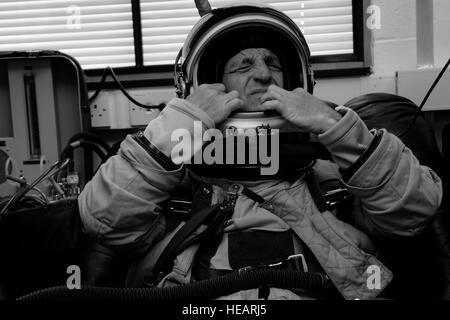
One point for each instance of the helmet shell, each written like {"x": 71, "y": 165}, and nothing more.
{"x": 223, "y": 32}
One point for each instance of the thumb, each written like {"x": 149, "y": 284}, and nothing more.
{"x": 270, "y": 105}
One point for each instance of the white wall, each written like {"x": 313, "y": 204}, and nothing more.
{"x": 441, "y": 32}
{"x": 394, "y": 44}
{"x": 393, "y": 49}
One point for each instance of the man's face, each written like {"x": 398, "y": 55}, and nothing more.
{"x": 250, "y": 72}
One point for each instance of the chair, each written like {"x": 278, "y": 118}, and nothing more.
{"x": 421, "y": 265}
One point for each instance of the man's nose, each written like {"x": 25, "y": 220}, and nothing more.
{"x": 262, "y": 72}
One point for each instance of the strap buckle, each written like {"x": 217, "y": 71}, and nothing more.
{"x": 336, "y": 196}
{"x": 235, "y": 189}
{"x": 296, "y": 262}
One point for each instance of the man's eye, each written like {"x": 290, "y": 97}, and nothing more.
{"x": 243, "y": 68}
{"x": 275, "y": 66}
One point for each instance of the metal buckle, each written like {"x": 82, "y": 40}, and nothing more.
{"x": 235, "y": 189}
{"x": 293, "y": 262}
{"x": 336, "y": 196}
{"x": 179, "y": 206}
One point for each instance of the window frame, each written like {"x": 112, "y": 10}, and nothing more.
{"x": 340, "y": 65}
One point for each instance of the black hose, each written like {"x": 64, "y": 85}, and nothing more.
{"x": 68, "y": 150}
{"x": 112, "y": 152}
{"x": 93, "y": 147}
{"x": 204, "y": 289}
{"x": 114, "y": 149}
{"x": 91, "y": 137}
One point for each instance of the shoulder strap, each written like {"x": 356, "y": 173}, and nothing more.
{"x": 316, "y": 192}
{"x": 176, "y": 243}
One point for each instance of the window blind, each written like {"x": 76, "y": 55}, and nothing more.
{"x": 326, "y": 24}
{"x": 100, "y": 32}
{"x": 96, "y": 32}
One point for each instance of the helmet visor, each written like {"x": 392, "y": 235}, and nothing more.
{"x": 224, "y": 46}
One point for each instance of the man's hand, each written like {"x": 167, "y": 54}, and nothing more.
{"x": 300, "y": 108}
{"x": 213, "y": 99}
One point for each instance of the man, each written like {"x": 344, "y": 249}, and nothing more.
{"x": 271, "y": 217}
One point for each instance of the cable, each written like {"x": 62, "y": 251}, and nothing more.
{"x": 43, "y": 196}
{"x": 114, "y": 149}
{"x": 54, "y": 169}
{"x": 27, "y": 202}
{"x": 91, "y": 137}
{"x": 109, "y": 70}
{"x": 426, "y": 98}
{"x": 57, "y": 187}
{"x": 19, "y": 194}
{"x": 91, "y": 146}
{"x": 100, "y": 85}
{"x": 4, "y": 201}
{"x": 92, "y": 143}
{"x": 24, "y": 184}
{"x": 68, "y": 150}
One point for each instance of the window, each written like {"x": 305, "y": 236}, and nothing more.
{"x": 97, "y": 33}
{"x": 139, "y": 36}
{"x": 326, "y": 24}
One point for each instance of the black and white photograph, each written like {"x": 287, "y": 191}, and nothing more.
{"x": 210, "y": 157}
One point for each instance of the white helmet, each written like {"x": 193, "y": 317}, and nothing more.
{"x": 223, "y": 32}
{"x": 218, "y": 36}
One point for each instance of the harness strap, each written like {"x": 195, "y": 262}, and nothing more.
{"x": 252, "y": 195}
{"x": 316, "y": 192}
{"x": 176, "y": 243}
{"x": 219, "y": 213}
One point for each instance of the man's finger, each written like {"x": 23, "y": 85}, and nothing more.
{"x": 218, "y": 86}
{"x": 269, "y": 95}
{"x": 276, "y": 89}
{"x": 234, "y": 104}
{"x": 231, "y": 95}
{"x": 299, "y": 90}
{"x": 271, "y": 105}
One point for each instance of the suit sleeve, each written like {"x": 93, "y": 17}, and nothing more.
{"x": 395, "y": 194}
{"x": 120, "y": 206}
